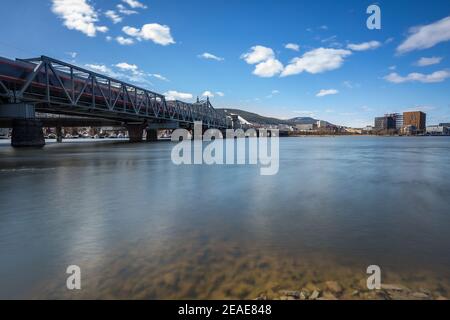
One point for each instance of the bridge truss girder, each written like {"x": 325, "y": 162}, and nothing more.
{"x": 59, "y": 87}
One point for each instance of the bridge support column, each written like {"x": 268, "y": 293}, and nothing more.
{"x": 135, "y": 132}
{"x": 224, "y": 133}
{"x": 152, "y": 135}
{"x": 27, "y": 133}
{"x": 59, "y": 135}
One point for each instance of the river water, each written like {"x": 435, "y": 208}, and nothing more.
{"x": 141, "y": 227}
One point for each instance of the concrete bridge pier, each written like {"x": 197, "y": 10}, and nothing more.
{"x": 135, "y": 132}
{"x": 59, "y": 135}
{"x": 152, "y": 135}
{"x": 27, "y": 131}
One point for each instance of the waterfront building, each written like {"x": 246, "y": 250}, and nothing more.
{"x": 409, "y": 130}
{"x": 306, "y": 127}
{"x": 438, "y": 130}
{"x": 285, "y": 127}
{"x": 321, "y": 124}
{"x": 385, "y": 123}
{"x": 397, "y": 118}
{"x": 416, "y": 119}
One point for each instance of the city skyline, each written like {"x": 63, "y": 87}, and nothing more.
{"x": 290, "y": 59}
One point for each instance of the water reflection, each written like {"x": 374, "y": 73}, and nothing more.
{"x": 140, "y": 227}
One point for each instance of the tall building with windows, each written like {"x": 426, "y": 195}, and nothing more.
{"x": 398, "y": 119}
{"x": 385, "y": 123}
{"x": 417, "y": 119}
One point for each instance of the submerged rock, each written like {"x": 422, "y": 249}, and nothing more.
{"x": 333, "y": 286}
{"x": 290, "y": 293}
{"x": 328, "y": 296}
{"x": 394, "y": 287}
{"x": 304, "y": 294}
{"x": 420, "y": 295}
{"x": 287, "y": 298}
{"x": 314, "y": 295}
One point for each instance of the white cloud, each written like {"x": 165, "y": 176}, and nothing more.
{"x": 258, "y": 54}
{"x": 131, "y": 31}
{"x": 127, "y": 67}
{"x": 125, "y": 11}
{"x": 220, "y": 94}
{"x": 123, "y": 71}
{"x": 292, "y": 46}
{"x": 124, "y": 41}
{"x": 78, "y": 15}
{"x": 175, "y": 95}
{"x": 423, "y": 62}
{"x": 158, "y": 76}
{"x": 324, "y": 27}
{"x": 208, "y": 94}
{"x": 434, "y": 77}
{"x": 102, "y": 29}
{"x": 115, "y": 18}
{"x": 316, "y": 61}
{"x": 364, "y": 46}
{"x": 392, "y": 67}
{"x": 132, "y": 73}
{"x": 264, "y": 58}
{"x": 427, "y": 36}
{"x": 210, "y": 56}
{"x": 72, "y": 54}
{"x": 101, "y": 68}
{"x": 155, "y": 32}
{"x": 326, "y": 92}
{"x": 135, "y": 4}
{"x": 273, "y": 93}
{"x": 329, "y": 39}
{"x": 268, "y": 68}
{"x": 349, "y": 84}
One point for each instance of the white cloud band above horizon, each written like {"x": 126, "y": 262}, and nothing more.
{"x": 435, "y": 77}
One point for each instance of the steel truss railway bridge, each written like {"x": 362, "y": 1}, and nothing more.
{"x": 47, "y": 85}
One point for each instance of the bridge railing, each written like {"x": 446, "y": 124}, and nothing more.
{"x": 57, "y": 86}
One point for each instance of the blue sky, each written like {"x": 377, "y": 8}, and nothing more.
{"x": 237, "y": 51}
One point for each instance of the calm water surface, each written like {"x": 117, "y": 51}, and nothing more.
{"x": 141, "y": 227}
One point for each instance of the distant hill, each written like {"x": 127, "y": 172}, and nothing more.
{"x": 258, "y": 119}
{"x": 303, "y": 120}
